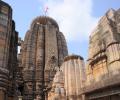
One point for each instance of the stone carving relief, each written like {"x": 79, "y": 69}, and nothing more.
{"x": 29, "y": 85}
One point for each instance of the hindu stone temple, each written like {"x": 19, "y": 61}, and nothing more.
{"x": 43, "y": 70}
{"x": 8, "y": 53}
{"x": 43, "y": 50}
{"x": 103, "y": 65}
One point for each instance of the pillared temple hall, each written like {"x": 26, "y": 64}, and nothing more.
{"x": 43, "y": 70}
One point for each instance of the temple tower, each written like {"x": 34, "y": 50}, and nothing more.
{"x": 105, "y": 40}
{"x": 43, "y": 51}
{"x": 103, "y": 67}
{"x": 8, "y": 53}
{"x": 74, "y": 76}
{"x": 69, "y": 79}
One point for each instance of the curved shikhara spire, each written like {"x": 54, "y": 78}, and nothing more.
{"x": 43, "y": 51}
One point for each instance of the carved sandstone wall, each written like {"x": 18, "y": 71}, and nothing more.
{"x": 8, "y": 53}
{"x": 103, "y": 67}
{"x": 57, "y": 91}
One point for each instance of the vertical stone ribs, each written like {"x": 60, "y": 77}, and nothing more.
{"x": 51, "y": 52}
{"x": 43, "y": 51}
{"x": 62, "y": 47}
{"x": 12, "y": 61}
{"x": 68, "y": 80}
{"x": 39, "y": 73}
{"x": 5, "y": 34}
